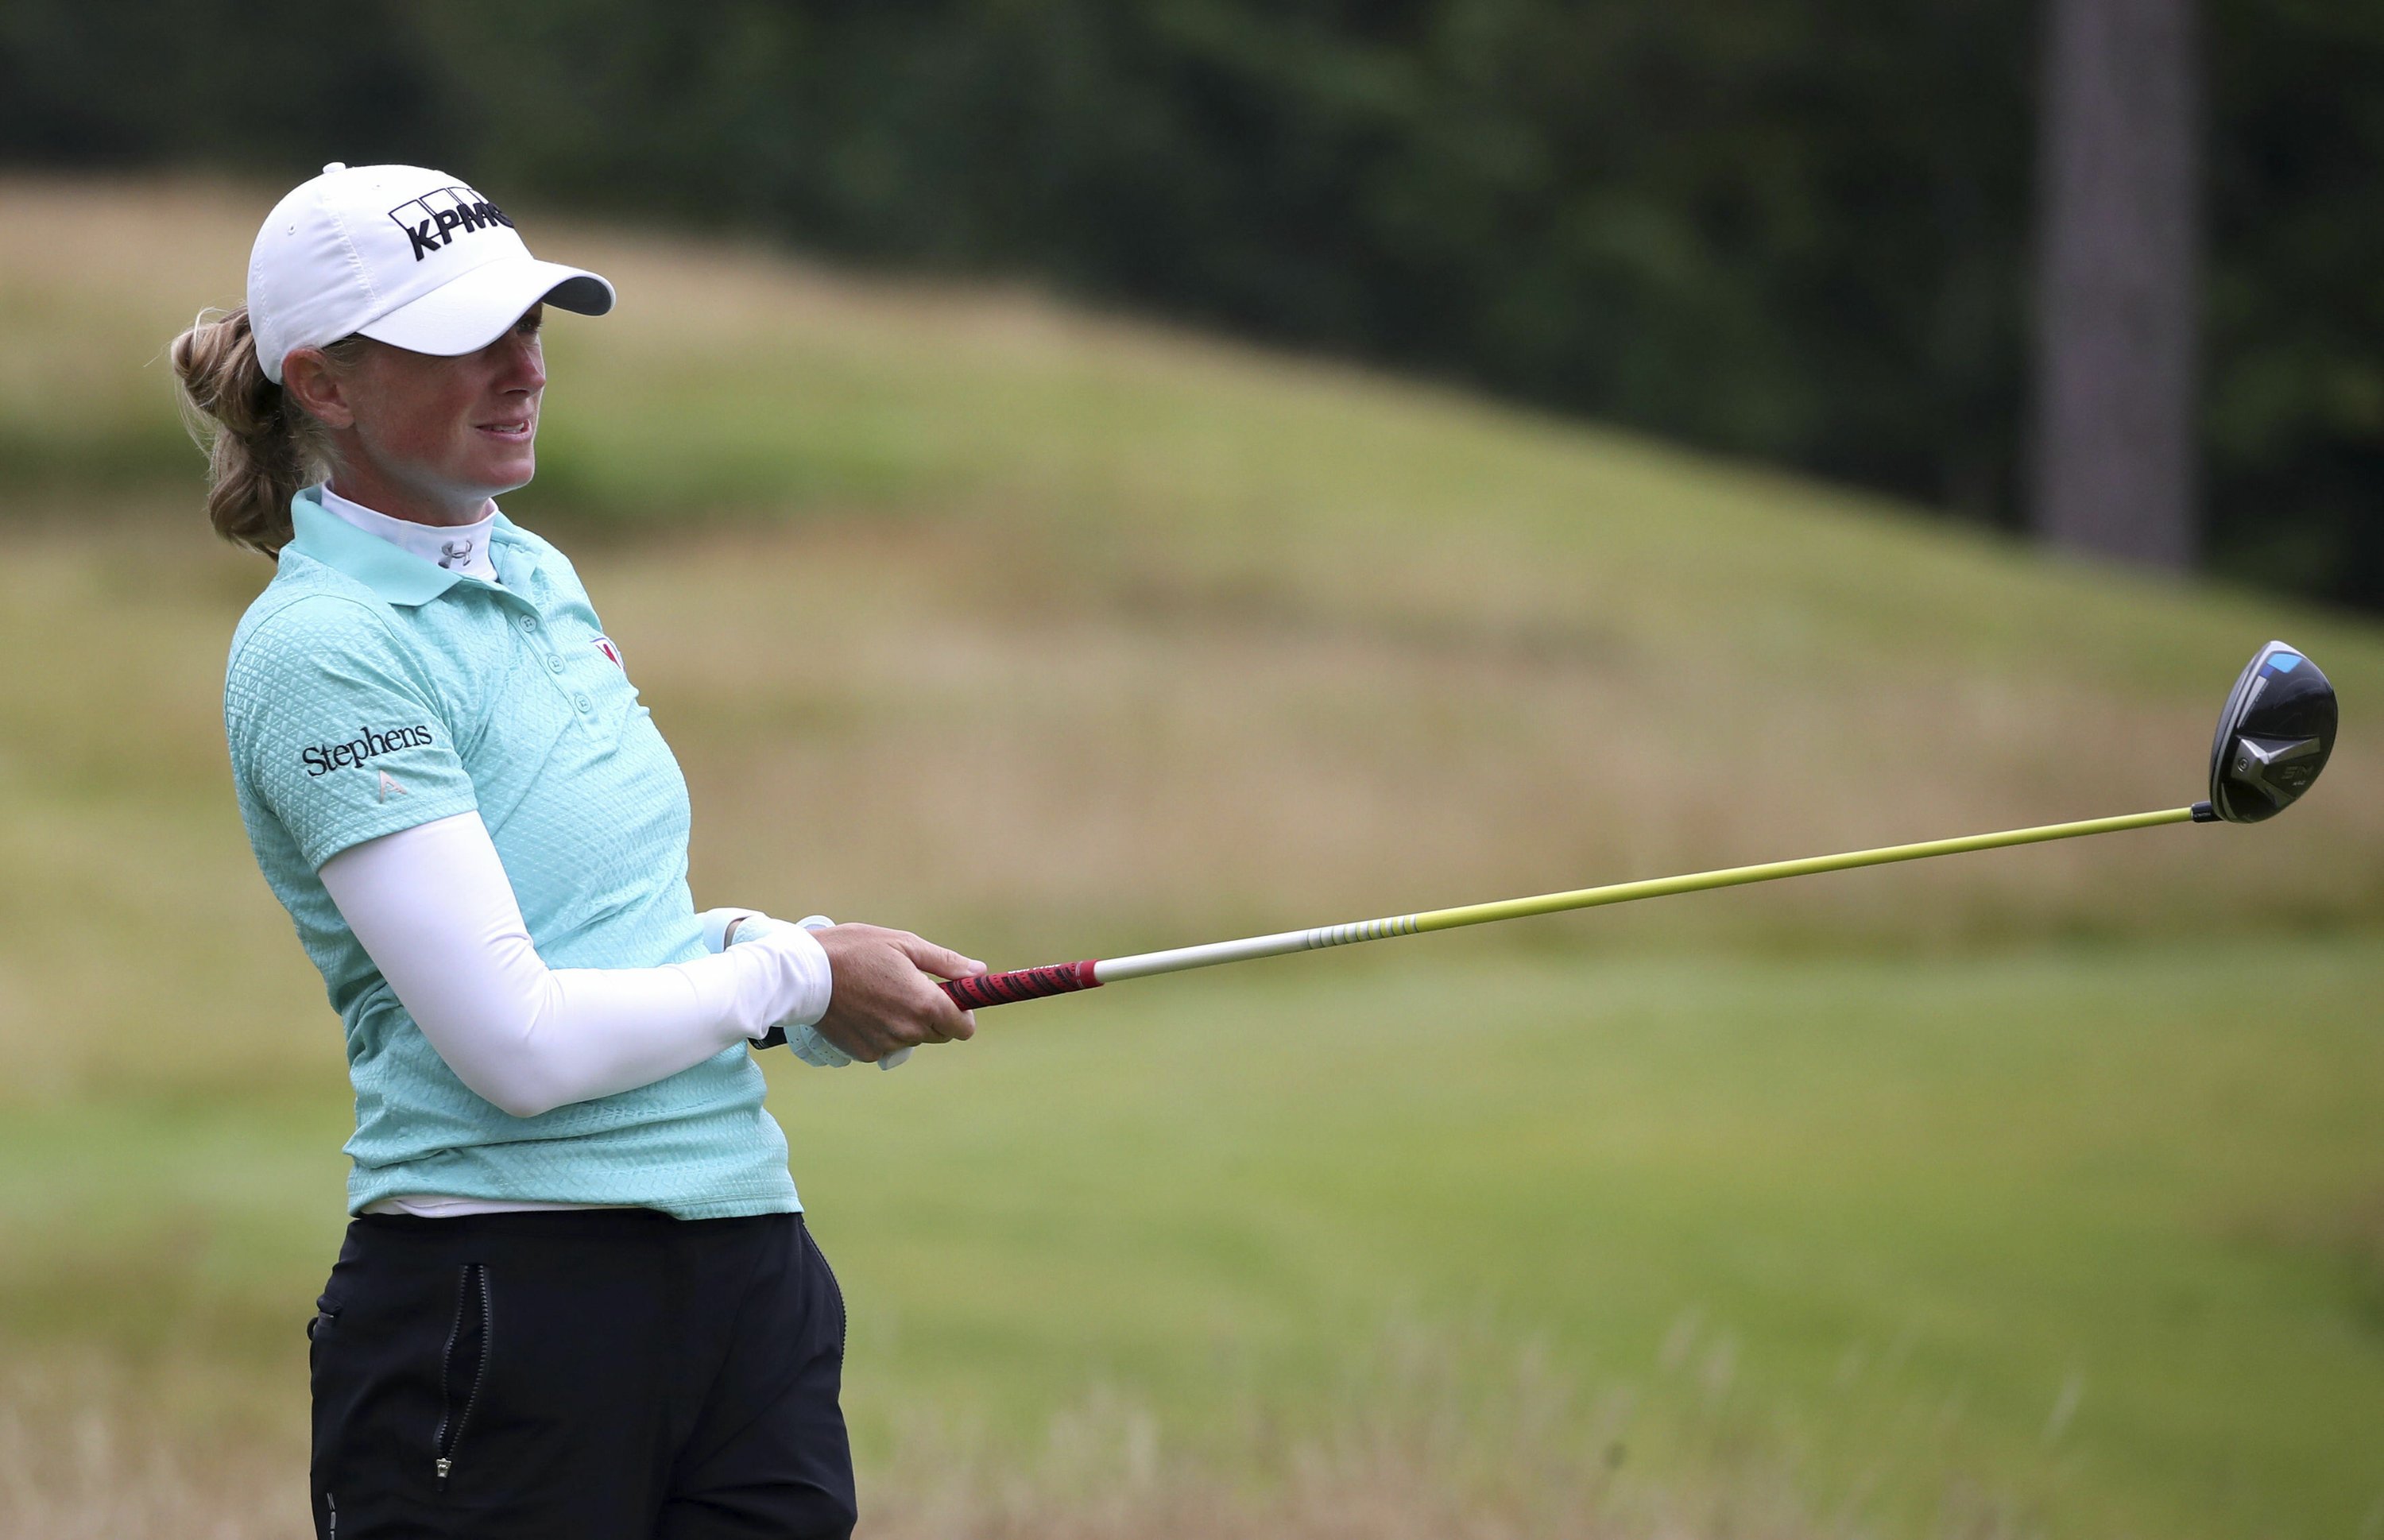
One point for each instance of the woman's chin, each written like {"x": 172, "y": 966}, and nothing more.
{"x": 507, "y": 472}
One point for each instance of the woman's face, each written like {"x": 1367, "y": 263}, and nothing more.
{"x": 426, "y": 437}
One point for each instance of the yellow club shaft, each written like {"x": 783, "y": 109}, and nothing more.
{"x": 1734, "y": 877}
{"x": 995, "y": 988}
{"x": 987, "y": 989}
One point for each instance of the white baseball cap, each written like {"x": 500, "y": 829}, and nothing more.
{"x": 407, "y": 257}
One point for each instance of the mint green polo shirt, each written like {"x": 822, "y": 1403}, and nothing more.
{"x": 370, "y": 690}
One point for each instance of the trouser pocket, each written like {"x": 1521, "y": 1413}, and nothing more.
{"x": 462, "y": 1368}
{"x": 843, "y": 1321}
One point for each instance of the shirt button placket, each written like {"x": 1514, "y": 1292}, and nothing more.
{"x": 529, "y": 624}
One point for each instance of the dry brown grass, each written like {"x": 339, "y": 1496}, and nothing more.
{"x": 82, "y": 1457}
{"x": 1459, "y": 1431}
{"x": 1118, "y": 754}
{"x": 90, "y": 1451}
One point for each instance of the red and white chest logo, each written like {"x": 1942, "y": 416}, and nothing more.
{"x": 604, "y": 645}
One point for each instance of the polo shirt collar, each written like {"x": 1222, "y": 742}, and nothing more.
{"x": 398, "y": 576}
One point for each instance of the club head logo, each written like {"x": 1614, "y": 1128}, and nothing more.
{"x": 432, "y": 221}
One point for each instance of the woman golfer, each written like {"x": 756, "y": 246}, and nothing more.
{"x": 576, "y": 1297}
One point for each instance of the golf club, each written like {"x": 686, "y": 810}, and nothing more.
{"x": 2273, "y": 740}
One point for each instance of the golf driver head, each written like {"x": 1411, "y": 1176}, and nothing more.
{"x": 2274, "y": 736}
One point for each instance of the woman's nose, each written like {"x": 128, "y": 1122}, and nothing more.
{"x": 525, "y": 366}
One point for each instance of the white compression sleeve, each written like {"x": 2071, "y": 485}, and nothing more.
{"x": 433, "y": 908}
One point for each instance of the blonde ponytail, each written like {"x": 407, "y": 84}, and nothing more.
{"x": 262, "y": 447}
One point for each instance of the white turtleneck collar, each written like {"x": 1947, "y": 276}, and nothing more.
{"x": 457, "y": 547}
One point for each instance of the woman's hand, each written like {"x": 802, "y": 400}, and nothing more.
{"x": 883, "y": 995}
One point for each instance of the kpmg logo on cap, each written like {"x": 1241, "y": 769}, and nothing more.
{"x": 432, "y": 221}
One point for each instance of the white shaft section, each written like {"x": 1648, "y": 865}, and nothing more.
{"x": 1143, "y": 965}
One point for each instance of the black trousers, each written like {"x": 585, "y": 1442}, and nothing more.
{"x": 595, "y": 1374}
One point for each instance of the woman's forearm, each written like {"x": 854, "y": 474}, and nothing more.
{"x": 432, "y": 907}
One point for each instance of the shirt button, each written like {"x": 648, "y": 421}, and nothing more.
{"x": 585, "y": 705}
{"x": 555, "y": 665}
{"x": 530, "y": 622}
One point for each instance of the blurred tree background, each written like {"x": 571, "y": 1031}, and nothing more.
{"x": 1803, "y": 234}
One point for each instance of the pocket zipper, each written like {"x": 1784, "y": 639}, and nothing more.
{"x": 471, "y": 1289}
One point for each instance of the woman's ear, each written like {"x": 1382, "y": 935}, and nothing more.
{"x": 320, "y": 386}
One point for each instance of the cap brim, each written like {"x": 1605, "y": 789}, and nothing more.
{"x": 476, "y": 308}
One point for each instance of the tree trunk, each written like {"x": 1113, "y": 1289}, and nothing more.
{"x": 2115, "y": 300}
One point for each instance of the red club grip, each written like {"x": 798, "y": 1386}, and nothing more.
{"x": 1058, "y": 978}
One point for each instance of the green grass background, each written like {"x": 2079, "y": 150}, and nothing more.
{"x": 2033, "y": 1192}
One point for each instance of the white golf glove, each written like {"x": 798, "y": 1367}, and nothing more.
{"x": 802, "y": 1040}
